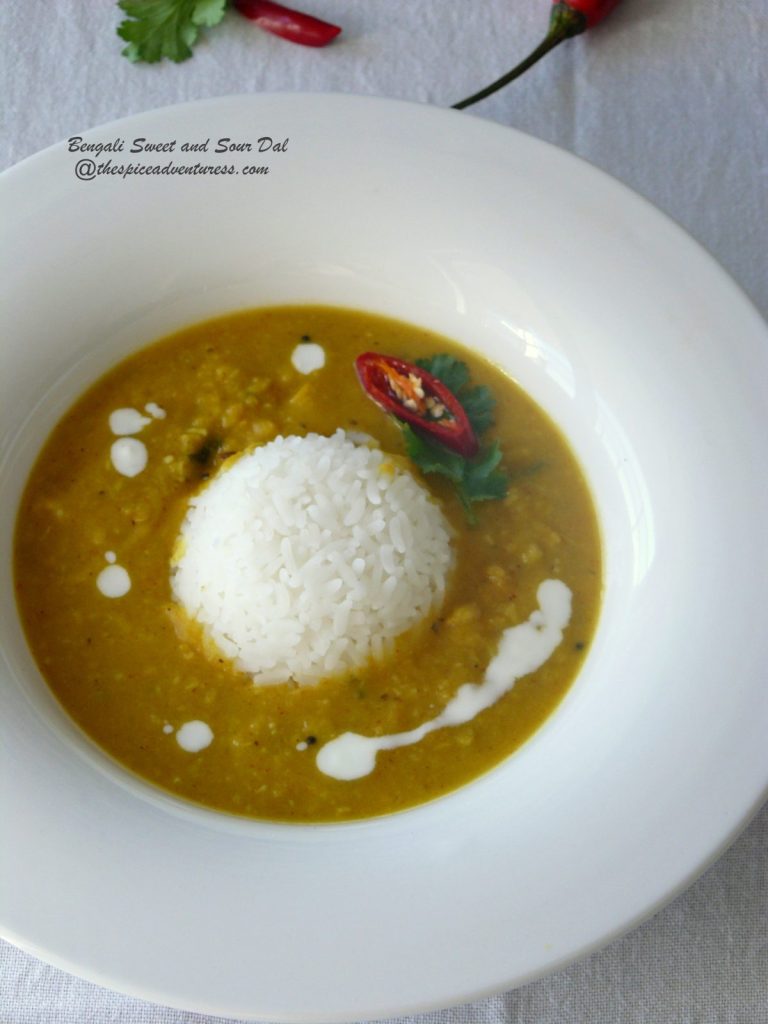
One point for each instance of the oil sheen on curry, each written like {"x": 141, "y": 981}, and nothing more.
{"x": 307, "y": 564}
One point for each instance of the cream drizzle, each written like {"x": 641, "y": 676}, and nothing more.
{"x": 522, "y": 650}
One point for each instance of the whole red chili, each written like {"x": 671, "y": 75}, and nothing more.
{"x": 416, "y": 397}
{"x": 568, "y": 18}
{"x": 287, "y": 23}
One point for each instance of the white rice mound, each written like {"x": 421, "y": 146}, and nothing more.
{"x": 307, "y": 556}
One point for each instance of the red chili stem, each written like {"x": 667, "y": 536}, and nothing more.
{"x": 565, "y": 22}
{"x": 282, "y": 21}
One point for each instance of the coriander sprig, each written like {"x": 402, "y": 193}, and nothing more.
{"x": 477, "y": 479}
{"x": 480, "y": 478}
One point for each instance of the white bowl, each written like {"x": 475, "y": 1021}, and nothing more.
{"x": 655, "y": 367}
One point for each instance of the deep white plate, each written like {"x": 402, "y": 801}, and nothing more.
{"x": 654, "y": 365}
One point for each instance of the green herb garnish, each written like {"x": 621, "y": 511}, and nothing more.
{"x": 480, "y": 478}
{"x": 156, "y": 29}
{"x": 478, "y": 402}
{"x": 477, "y": 479}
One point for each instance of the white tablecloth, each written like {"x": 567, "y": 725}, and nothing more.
{"x": 671, "y": 97}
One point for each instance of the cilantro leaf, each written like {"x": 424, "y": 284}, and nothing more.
{"x": 451, "y": 372}
{"x": 477, "y": 479}
{"x": 482, "y": 479}
{"x": 432, "y": 457}
{"x": 478, "y": 403}
{"x": 156, "y": 29}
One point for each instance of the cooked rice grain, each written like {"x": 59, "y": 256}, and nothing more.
{"x": 306, "y": 556}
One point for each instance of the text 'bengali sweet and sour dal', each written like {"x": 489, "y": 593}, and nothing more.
{"x": 258, "y": 589}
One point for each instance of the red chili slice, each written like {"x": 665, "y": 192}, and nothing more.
{"x": 287, "y": 23}
{"x": 417, "y": 398}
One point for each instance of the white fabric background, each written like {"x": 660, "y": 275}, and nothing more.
{"x": 671, "y": 97}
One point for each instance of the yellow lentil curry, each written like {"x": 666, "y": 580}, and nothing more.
{"x": 130, "y": 677}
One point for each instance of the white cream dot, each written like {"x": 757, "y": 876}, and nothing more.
{"x": 129, "y": 456}
{"x": 110, "y": 556}
{"x": 127, "y": 421}
{"x": 167, "y": 728}
{"x": 194, "y": 736}
{"x": 308, "y": 357}
{"x": 113, "y": 581}
{"x": 155, "y": 411}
